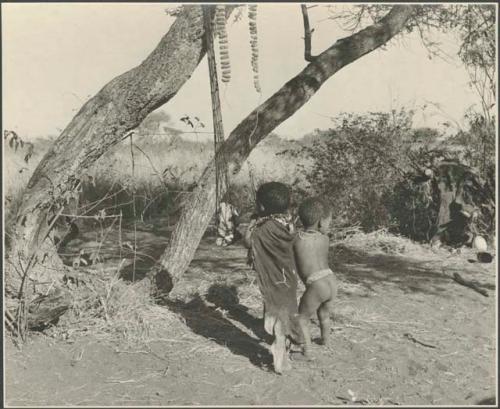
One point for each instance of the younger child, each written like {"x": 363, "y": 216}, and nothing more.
{"x": 311, "y": 256}
{"x": 270, "y": 238}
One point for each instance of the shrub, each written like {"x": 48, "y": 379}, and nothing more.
{"x": 371, "y": 167}
{"x": 356, "y": 164}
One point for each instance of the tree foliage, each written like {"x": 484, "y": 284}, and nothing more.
{"x": 355, "y": 163}
{"x": 15, "y": 142}
{"x": 473, "y": 24}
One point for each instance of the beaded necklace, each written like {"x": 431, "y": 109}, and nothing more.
{"x": 308, "y": 233}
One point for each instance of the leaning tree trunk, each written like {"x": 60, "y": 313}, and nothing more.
{"x": 33, "y": 266}
{"x": 292, "y": 96}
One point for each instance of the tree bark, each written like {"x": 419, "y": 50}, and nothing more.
{"x": 102, "y": 122}
{"x": 280, "y": 106}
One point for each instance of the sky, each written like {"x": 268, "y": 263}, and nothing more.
{"x": 57, "y": 55}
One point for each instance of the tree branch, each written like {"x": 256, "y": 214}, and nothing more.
{"x": 119, "y": 107}
{"x": 307, "y": 34}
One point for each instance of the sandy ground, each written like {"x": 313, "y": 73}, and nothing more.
{"x": 404, "y": 333}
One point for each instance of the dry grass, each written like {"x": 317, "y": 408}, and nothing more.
{"x": 444, "y": 258}
{"x": 107, "y": 307}
{"x": 381, "y": 241}
{"x": 145, "y": 179}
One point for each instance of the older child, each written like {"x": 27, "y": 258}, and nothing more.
{"x": 311, "y": 256}
{"x": 270, "y": 238}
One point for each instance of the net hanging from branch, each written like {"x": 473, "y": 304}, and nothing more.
{"x": 221, "y": 177}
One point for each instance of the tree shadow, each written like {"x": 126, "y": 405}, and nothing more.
{"x": 208, "y": 257}
{"x": 351, "y": 265}
{"x": 210, "y": 323}
{"x": 359, "y": 267}
{"x": 135, "y": 272}
{"x": 226, "y": 298}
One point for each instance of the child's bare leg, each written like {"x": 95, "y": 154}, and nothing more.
{"x": 286, "y": 361}
{"x": 278, "y": 349}
{"x": 324, "y": 316}
{"x": 304, "y": 327}
{"x": 308, "y": 305}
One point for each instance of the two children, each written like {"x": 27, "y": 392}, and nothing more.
{"x": 277, "y": 253}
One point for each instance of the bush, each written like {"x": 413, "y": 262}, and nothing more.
{"x": 414, "y": 208}
{"x": 371, "y": 168}
{"x": 476, "y": 144}
{"x": 356, "y": 165}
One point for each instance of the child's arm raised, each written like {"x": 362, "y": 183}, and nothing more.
{"x": 296, "y": 258}
{"x": 247, "y": 238}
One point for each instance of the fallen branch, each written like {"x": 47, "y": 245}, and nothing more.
{"x": 411, "y": 338}
{"x": 132, "y": 352}
{"x": 119, "y": 381}
{"x": 470, "y": 284}
{"x": 347, "y": 400}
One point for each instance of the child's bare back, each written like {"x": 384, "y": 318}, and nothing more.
{"x": 311, "y": 256}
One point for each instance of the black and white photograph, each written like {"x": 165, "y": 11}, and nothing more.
{"x": 249, "y": 204}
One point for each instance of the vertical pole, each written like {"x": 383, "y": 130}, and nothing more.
{"x": 220, "y": 165}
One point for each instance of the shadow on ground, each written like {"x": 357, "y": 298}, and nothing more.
{"x": 350, "y": 264}
{"x": 208, "y": 257}
{"x": 226, "y": 297}
{"x": 410, "y": 275}
{"x": 209, "y": 322}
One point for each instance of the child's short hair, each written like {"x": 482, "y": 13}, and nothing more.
{"x": 274, "y": 196}
{"x": 312, "y": 210}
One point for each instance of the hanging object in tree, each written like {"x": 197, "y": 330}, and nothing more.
{"x": 220, "y": 30}
{"x": 227, "y": 225}
{"x": 252, "y": 23}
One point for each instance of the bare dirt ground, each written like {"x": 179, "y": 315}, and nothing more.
{"x": 404, "y": 333}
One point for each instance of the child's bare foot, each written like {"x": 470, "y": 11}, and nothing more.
{"x": 278, "y": 360}
{"x": 295, "y": 348}
{"x": 287, "y": 366}
{"x": 283, "y": 366}
{"x": 324, "y": 341}
{"x": 301, "y": 356}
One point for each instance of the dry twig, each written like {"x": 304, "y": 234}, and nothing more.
{"x": 471, "y": 284}
{"x": 411, "y": 338}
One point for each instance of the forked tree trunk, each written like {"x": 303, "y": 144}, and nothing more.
{"x": 292, "y": 96}
{"x": 102, "y": 122}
